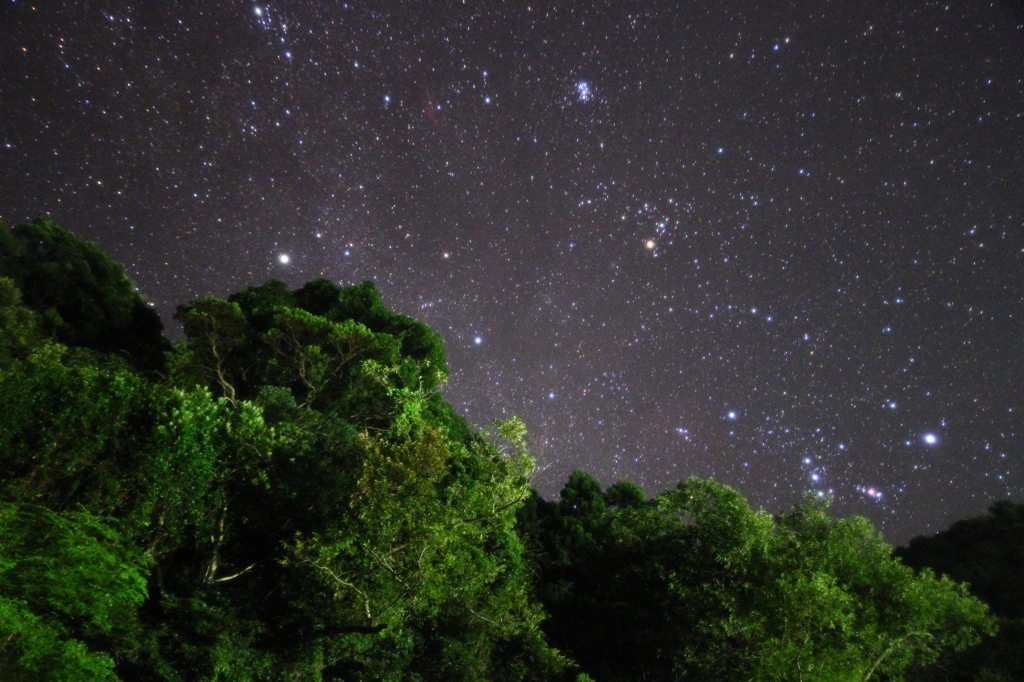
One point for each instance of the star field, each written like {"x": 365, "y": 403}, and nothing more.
{"x": 781, "y": 244}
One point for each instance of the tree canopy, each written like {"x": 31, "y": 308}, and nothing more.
{"x": 695, "y": 584}
{"x": 285, "y": 495}
{"x": 82, "y": 297}
{"x": 986, "y": 553}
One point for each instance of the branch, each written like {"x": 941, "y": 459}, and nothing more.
{"x": 232, "y": 577}
{"x": 217, "y": 541}
{"x": 889, "y": 649}
{"x": 494, "y": 512}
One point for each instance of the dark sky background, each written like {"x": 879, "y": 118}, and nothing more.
{"x": 776, "y": 243}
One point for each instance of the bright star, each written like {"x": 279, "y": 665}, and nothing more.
{"x": 477, "y": 340}
{"x": 284, "y": 259}
{"x": 930, "y": 439}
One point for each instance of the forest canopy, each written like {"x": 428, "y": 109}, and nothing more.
{"x": 286, "y": 495}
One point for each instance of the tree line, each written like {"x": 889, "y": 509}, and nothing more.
{"x": 285, "y": 495}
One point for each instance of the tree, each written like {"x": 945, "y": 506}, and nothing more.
{"x": 69, "y": 590}
{"x": 695, "y": 583}
{"x": 74, "y": 433}
{"x": 82, "y": 297}
{"x": 385, "y": 527}
{"x": 985, "y": 553}
{"x": 847, "y": 609}
{"x": 19, "y": 328}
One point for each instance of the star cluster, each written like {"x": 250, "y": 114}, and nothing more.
{"x": 781, "y": 244}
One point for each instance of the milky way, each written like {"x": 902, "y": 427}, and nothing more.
{"x": 780, "y": 244}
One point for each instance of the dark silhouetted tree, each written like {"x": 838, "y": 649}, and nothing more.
{"x": 82, "y": 297}
{"x": 986, "y": 553}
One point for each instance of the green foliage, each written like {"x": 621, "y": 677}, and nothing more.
{"x": 362, "y": 304}
{"x": 72, "y": 431}
{"x": 69, "y": 590}
{"x": 579, "y": 517}
{"x": 986, "y": 553}
{"x": 624, "y": 494}
{"x": 384, "y": 527}
{"x": 83, "y": 298}
{"x": 696, "y": 584}
{"x": 861, "y": 612}
{"x": 264, "y": 337}
{"x": 19, "y": 328}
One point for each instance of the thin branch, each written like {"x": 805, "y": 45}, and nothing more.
{"x": 232, "y": 577}
{"x": 888, "y": 650}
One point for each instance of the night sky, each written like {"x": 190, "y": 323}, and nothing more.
{"x": 776, "y": 243}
